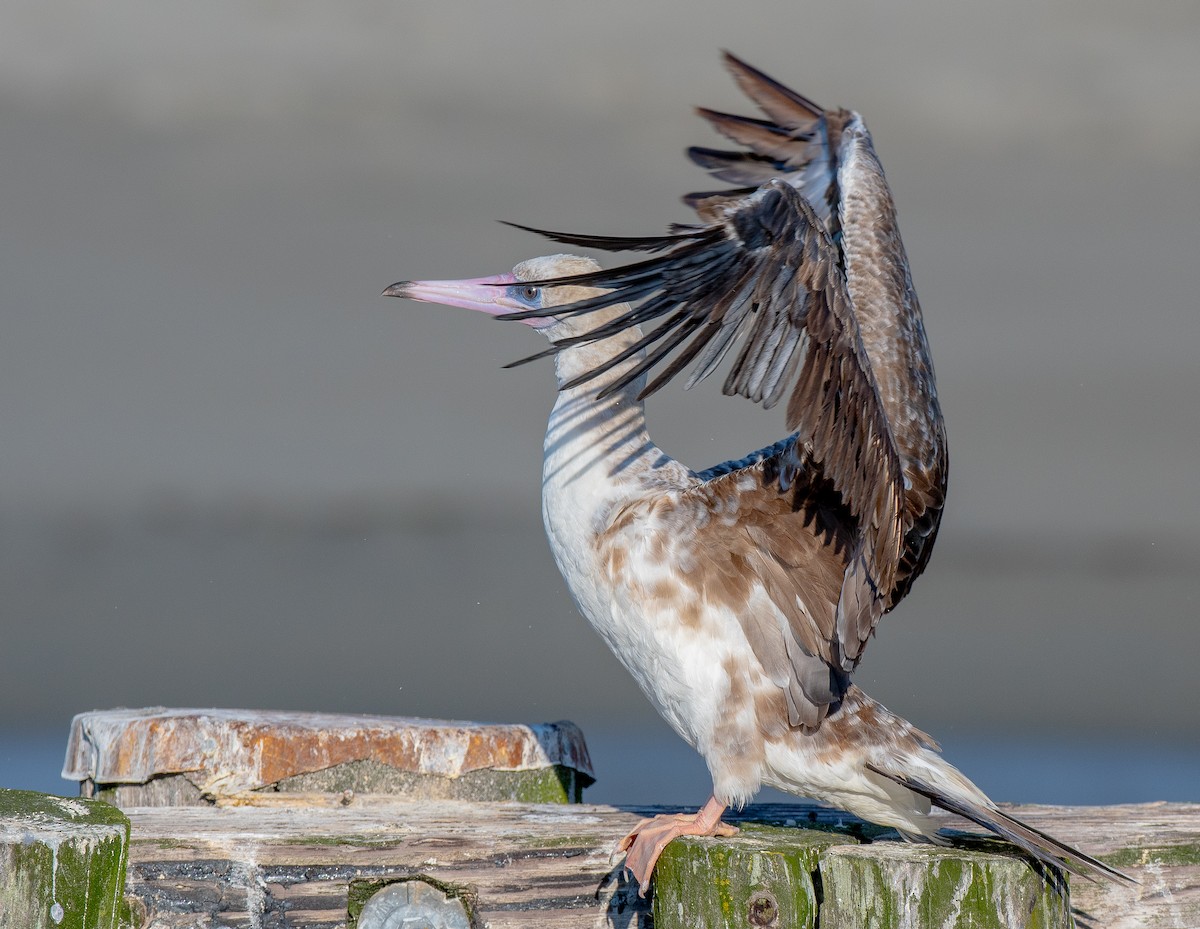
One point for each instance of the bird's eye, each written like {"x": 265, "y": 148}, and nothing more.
{"x": 528, "y": 294}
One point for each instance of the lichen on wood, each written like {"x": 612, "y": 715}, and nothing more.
{"x": 62, "y": 862}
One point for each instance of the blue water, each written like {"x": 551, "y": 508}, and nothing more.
{"x": 654, "y": 767}
{"x": 1078, "y": 770}
{"x": 33, "y": 760}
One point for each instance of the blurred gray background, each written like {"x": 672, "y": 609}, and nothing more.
{"x": 232, "y": 475}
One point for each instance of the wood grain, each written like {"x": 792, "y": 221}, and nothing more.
{"x": 287, "y": 860}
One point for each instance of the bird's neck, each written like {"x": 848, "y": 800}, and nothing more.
{"x": 594, "y": 443}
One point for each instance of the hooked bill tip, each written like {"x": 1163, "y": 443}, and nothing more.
{"x": 399, "y": 289}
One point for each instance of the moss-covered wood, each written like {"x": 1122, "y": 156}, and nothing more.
{"x": 763, "y": 878}
{"x": 890, "y": 885}
{"x": 782, "y": 878}
{"x": 62, "y": 862}
{"x": 555, "y": 784}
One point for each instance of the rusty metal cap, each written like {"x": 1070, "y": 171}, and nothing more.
{"x": 228, "y": 751}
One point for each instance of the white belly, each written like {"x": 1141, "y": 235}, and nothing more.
{"x": 699, "y": 675}
{"x": 630, "y": 589}
{"x": 677, "y": 665}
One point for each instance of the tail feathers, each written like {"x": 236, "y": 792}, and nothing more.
{"x": 1041, "y": 846}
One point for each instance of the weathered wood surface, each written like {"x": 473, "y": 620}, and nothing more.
{"x": 62, "y": 862}
{"x": 531, "y": 865}
{"x": 1156, "y": 843}
{"x": 764, "y": 877}
{"x": 888, "y": 885}
{"x": 280, "y": 864}
{"x": 807, "y": 879}
{"x": 164, "y": 757}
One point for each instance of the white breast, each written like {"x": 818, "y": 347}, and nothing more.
{"x": 590, "y": 481}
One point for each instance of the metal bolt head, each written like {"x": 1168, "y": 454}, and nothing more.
{"x": 413, "y": 905}
{"x": 762, "y": 910}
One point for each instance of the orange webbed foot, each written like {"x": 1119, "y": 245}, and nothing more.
{"x": 646, "y": 842}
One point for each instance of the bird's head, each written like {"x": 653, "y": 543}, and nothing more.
{"x": 502, "y": 294}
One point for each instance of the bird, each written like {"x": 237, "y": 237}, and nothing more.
{"x": 741, "y": 597}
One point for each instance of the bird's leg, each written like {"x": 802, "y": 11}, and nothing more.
{"x": 649, "y": 837}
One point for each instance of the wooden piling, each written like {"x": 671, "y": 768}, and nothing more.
{"x": 62, "y": 862}
{"x": 768, "y": 876}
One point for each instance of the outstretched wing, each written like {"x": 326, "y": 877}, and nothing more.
{"x": 798, "y": 142}
{"x": 828, "y": 157}
{"x": 766, "y": 275}
{"x": 800, "y": 274}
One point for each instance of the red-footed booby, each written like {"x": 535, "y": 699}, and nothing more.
{"x": 741, "y": 597}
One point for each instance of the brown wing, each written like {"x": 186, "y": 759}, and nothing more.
{"x": 889, "y": 316}
{"x": 797, "y": 143}
{"x": 828, "y": 156}
{"x": 768, "y": 276}
{"x": 804, "y": 263}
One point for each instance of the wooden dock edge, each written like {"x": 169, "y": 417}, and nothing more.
{"x": 276, "y": 860}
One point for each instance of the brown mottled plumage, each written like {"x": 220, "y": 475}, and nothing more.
{"x": 740, "y": 598}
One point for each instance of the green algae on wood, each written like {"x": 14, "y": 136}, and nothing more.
{"x": 62, "y": 862}
{"x": 894, "y": 886}
{"x": 761, "y": 878}
{"x": 1140, "y": 856}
